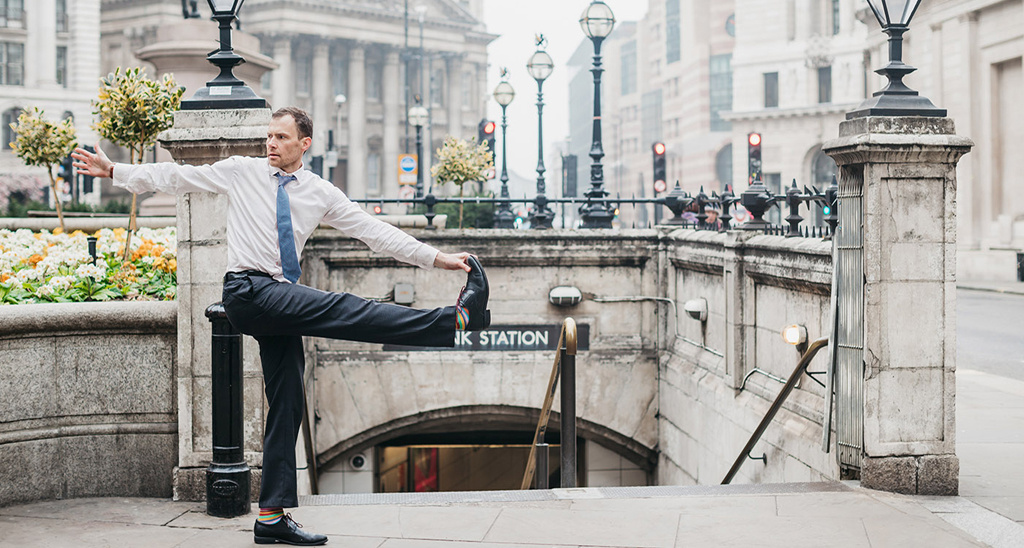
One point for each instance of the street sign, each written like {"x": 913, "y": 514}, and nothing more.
{"x": 406, "y": 192}
{"x": 407, "y": 168}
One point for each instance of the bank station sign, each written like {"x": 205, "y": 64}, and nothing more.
{"x": 507, "y": 338}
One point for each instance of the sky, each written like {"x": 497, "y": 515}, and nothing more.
{"x": 517, "y": 22}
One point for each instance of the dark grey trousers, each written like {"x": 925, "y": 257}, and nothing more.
{"x": 277, "y": 315}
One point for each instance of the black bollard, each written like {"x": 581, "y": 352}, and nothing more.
{"x": 540, "y": 478}
{"x": 227, "y": 478}
{"x": 92, "y": 248}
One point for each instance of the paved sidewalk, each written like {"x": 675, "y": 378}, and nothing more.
{"x": 1015, "y": 288}
{"x": 780, "y": 515}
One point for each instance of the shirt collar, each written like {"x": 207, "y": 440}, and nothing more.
{"x": 274, "y": 170}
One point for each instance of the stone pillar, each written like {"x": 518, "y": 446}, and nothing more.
{"x": 323, "y": 100}
{"x": 392, "y": 119}
{"x": 201, "y": 137}
{"x": 455, "y": 96}
{"x": 356, "y": 122}
{"x": 902, "y": 170}
{"x": 41, "y": 48}
{"x": 282, "y": 80}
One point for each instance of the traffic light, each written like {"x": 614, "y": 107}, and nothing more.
{"x": 485, "y": 134}
{"x": 660, "y": 184}
{"x": 754, "y": 156}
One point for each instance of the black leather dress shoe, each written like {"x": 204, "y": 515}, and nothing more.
{"x": 286, "y": 531}
{"x": 474, "y": 297}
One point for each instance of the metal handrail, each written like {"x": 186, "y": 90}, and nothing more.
{"x": 794, "y": 378}
{"x": 564, "y": 367}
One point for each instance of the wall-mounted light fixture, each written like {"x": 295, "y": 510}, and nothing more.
{"x": 697, "y": 309}
{"x": 796, "y": 335}
{"x": 565, "y": 295}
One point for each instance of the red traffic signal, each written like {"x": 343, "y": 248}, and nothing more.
{"x": 754, "y": 139}
{"x": 489, "y": 128}
{"x": 659, "y": 167}
{"x": 377, "y": 209}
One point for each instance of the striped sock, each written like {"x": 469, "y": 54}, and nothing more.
{"x": 461, "y": 318}
{"x": 270, "y": 516}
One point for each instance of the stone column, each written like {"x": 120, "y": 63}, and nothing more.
{"x": 200, "y": 137}
{"x": 323, "y": 100}
{"x": 356, "y": 122}
{"x": 41, "y": 48}
{"x": 282, "y": 81}
{"x": 902, "y": 171}
{"x": 392, "y": 119}
{"x": 455, "y": 96}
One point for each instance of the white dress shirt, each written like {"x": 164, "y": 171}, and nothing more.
{"x": 251, "y": 186}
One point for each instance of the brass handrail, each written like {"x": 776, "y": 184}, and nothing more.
{"x": 794, "y": 378}
{"x": 567, "y": 344}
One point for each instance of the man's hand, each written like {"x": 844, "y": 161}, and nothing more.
{"x": 96, "y": 165}
{"x": 452, "y": 261}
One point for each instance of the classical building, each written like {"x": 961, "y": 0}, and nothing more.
{"x": 48, "y": 59}
{"x": 355, "y": 65}
{"x": 668, "y": 79}
{"x": 800, "y": 65}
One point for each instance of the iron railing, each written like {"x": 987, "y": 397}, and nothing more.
{"x": 716, "y": 212}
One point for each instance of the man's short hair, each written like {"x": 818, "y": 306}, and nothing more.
{"x": 302, "y": 120}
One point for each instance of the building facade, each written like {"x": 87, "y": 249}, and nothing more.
{"x": 48, "y": 59}
{"x": 800, "y": 65}
{"x": 356, "y": 66}
{"x": 668, "y": 79}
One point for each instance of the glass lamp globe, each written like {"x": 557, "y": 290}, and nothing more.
{"x": 598, "y": 20}
{"x": 504, "y": 94}
{"x": 540, "y": 65}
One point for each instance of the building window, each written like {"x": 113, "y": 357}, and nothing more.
{"x": 373, "y": 173}
{"x": 339, "y": 73}
{"x": 720, "y": 90}
{"x": 467, "y": 89}
{"x": 12, "y": 13}
{"x": 835, "y": 17}
{"x": 266, "y": 81}
{"x": 650, "y": 117}
{"x": 437, "y": 88}
{"x": 9, "y": 117}
{"x": 628, "y": 67}
{"x": 673, "y": 26}
{"x": 12, "y": 64}
{"x": 374, "y": 75}
{"x": 62, "y": 66}
{"x": 771, "y": 89}
{"x": 825, "y": 84}
{"x": 62, "y": 16}
{"x": 723, "y": 167}
{"x": 303, "y": 75}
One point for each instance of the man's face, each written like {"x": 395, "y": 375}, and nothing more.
{"x": 284, "y": 146}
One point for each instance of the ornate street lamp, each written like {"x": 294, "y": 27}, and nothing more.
{"x": 896, "y": 99}
{"x": 225, "y": 91}
{"x": 597, "y": 22}
{"x": 503, "y": 94}
{"x": 418, "y": 117}
{"x": 540, "y": 67}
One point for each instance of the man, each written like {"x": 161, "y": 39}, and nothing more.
{"x": 274, "y": 206}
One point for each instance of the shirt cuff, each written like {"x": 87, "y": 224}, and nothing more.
{"x": 425, "y": 256}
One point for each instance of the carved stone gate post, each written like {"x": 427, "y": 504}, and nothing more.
{"x": 896, "y": 264}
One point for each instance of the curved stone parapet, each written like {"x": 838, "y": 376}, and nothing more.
{"x": 89, "y": 402}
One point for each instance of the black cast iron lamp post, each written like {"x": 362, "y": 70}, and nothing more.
{"x": 896, "y": 99}
{"x": 540, "y": 67}
{"x": 503, "y": 94}
{"x": 418, "y": 117}
{"x": 225, "y": 91}
{"x": 597, "y": 22}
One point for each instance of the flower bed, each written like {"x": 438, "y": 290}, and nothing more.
{"x": 56, "y": 267}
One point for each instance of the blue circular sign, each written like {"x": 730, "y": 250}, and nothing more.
{"x": 408, "y": 164}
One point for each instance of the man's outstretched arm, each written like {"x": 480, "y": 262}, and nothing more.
{"x": 166, "y": 177}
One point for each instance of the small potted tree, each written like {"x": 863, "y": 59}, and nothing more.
{"x": 132, "y": 111}
{"x": 44, "y": 143}
{"x": 461, "y": 161}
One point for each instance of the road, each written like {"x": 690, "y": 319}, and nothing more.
{"x": 990, "y": 333}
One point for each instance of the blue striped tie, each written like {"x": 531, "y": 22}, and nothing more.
{"x": 285, "y": 236}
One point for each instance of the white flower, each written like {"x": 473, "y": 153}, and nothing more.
{"x": 90, "y": 271}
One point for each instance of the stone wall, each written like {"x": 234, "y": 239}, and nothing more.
{"x": 655, "y": 385}
{"x": 754, "y": 286}
{"x": 87, "y": 400}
